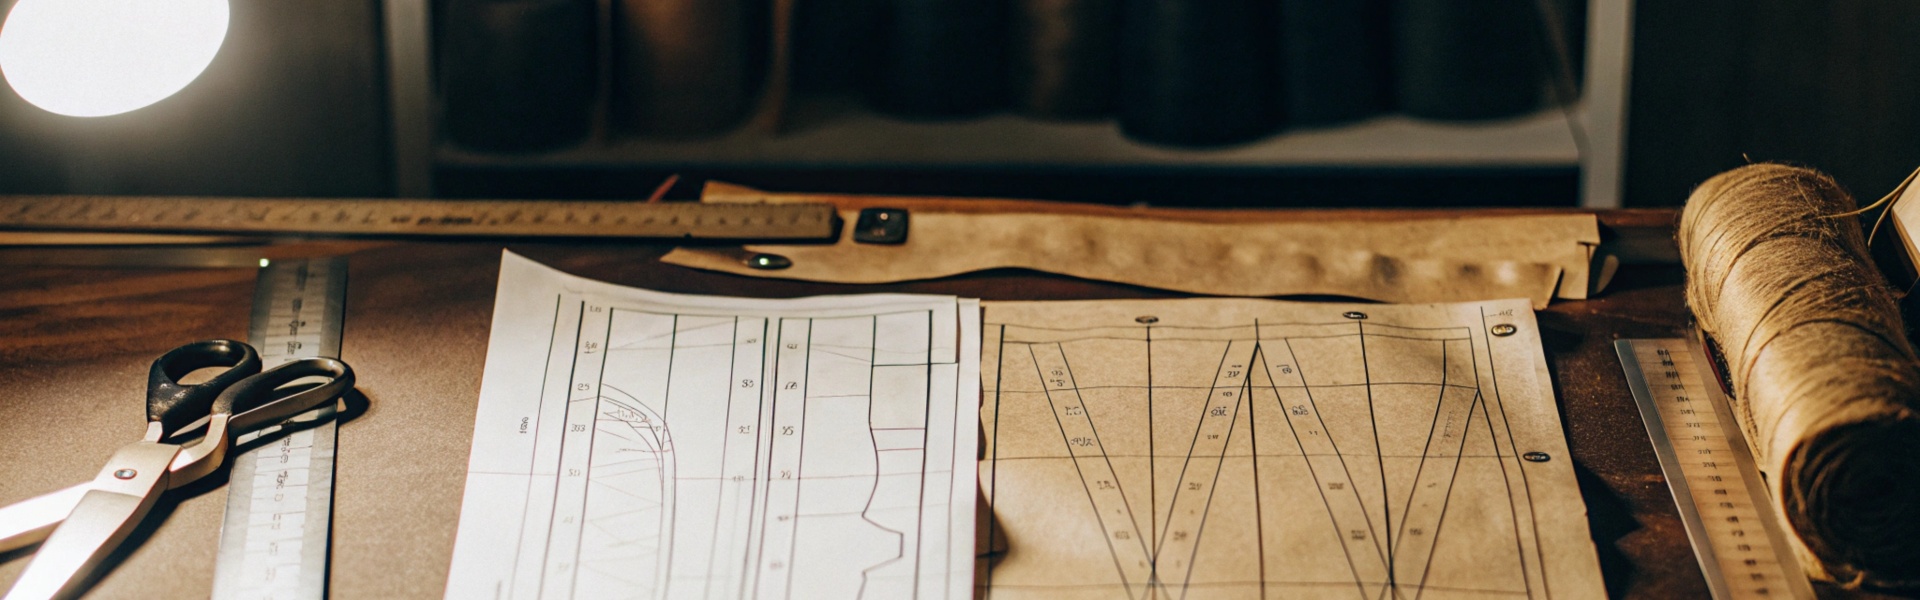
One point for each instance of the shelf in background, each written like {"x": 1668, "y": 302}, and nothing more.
{"x": 852, "y": 138}
{"x": 1385, "y": 161}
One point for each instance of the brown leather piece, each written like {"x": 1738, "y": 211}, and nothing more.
{"x": 1432, "y": 257}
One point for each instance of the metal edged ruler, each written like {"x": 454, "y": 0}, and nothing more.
{"x": 403, "y": 218}
{"x": 274, "y": 540}
{"x": 1722, "y": 499}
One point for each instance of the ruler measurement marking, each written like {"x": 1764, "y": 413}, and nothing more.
{"x": 420, "y": 217}
{"x": 1728, "y": 518}
{"x": 274, "y": 537}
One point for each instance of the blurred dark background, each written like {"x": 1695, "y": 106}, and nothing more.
{"x": 1252, "y": 103}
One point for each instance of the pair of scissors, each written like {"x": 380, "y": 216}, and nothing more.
{"x": 82, "y": 524}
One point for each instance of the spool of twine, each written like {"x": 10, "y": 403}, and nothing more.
{"x": 1826, "y": 384}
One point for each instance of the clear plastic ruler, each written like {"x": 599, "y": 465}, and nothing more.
{"x": 273, "y": 543}
{"x": 1722, "y": 499}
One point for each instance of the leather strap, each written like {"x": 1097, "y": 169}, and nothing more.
{"x": 1391, "y": 256}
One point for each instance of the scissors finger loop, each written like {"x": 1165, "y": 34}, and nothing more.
{"x": 174, "y": 405}
{"x": 255, "y": 402}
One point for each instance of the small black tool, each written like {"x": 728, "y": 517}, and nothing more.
{"x": 881, "y": 226}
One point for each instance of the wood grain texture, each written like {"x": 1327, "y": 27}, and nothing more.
{"x": 74, "y": 345}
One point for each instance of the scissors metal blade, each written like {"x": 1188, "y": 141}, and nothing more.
{"x": 26, "y": 522}
{"x": 113, "y": 504}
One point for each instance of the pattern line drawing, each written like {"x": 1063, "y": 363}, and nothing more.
{"x": 1266, "y": 457}
{"x": 653, "y": 446}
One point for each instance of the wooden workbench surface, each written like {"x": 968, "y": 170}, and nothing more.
{"x": 75, "y": 344}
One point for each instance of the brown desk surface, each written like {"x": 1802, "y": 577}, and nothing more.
{"x": 75, "y": 345}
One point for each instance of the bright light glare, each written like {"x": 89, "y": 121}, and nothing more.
{"x": 92, "y": 58}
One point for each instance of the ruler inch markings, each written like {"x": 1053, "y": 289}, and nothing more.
{"x": 1715, "y": 482}
{"x": 274, "y": 539}
{"x": 431, "y": 218}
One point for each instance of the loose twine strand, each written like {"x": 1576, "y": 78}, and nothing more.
{"x": 1826, "y": 384}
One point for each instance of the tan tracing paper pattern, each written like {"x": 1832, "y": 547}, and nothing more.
{"x": 1229, "y": 253}
{"x": 1219, "y": 448}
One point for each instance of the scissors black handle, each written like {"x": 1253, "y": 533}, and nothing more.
{"x": 174, "y": 405}
{"x": 256, "y": 402}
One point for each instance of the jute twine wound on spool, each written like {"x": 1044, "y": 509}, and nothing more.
{"x": 1825, "y": 383}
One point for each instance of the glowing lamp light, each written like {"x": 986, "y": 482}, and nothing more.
{"x": 93, "y": 58}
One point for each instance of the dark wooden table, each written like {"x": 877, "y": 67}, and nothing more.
{"x": 75, "y": 344}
